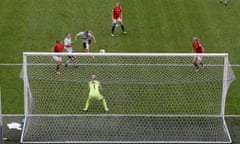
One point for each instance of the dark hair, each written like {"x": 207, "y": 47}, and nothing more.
{"x": 58, "y": 41}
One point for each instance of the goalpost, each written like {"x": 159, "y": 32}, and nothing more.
{"x": 1, "y": 122}
{"x": 153, "y": 98}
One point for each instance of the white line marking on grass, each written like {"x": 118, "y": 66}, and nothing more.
{"x": 10, "y": 64}
{"x": 123, "y": 115}
{"x": 232, "y": 116}
{"x": 19, "y": 64}
{"x": 114, "y": 115}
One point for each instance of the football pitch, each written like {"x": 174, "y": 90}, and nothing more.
{"x": 162, "y": 26}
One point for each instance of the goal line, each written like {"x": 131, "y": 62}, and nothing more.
{"x": 121, "y": 115}
{"x": 107, "y": 64}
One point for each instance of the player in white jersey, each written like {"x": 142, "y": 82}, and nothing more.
{"x": 86, "y": 37}
{"x": 68, "y": 46}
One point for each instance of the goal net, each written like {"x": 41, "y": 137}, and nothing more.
{"x": 153, "y": 98}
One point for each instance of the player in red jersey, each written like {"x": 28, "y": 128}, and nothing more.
{"x": 117, "y": 18}
{"x": 58, "y": 47}
{"x": 198, "y": 49}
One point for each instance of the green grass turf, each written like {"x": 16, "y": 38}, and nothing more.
{"x": 152, "y": 26}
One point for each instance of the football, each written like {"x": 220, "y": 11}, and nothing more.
{"x": 101, "y": 51}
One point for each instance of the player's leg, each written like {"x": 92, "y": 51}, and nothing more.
{"x": 87, "y": 104}
{"x": 225, "y": 2}
{"x": 196, "y": 64}
{"x": 69, "y": 50}
{"x": 68, "y": 61}
{"x": 58, "y": 60}
{"x": 114, "y": 26}
{"x": 200, "y": 61}
{"x": 122, "y": 26}
{"x": 104, "y": 102}
{"x": 85, "y": 47}
{"x": 74, "y": 60}
{"x": 105, "y": 105}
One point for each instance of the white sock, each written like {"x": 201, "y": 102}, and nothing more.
{"x": 68, "y": 61}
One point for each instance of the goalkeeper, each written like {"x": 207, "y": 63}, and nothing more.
{"x": 94, "y": 87}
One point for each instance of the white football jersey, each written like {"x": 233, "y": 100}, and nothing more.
{"x": 68, "y": 41}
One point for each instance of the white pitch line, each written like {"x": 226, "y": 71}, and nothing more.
{"x": 10, "y": 64}
{"x": 19, "y": 64}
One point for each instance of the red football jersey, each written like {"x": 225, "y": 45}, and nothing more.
{"x": 58, "y": 48}
{"x": 116, "y": 12}
{"x": 197, "y": 47}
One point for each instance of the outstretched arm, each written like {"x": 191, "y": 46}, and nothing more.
{"x": 94, "y": 39}
{"x": 76, "y": 37}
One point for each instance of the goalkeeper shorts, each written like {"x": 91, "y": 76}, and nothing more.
{"x": 95, "y": 96}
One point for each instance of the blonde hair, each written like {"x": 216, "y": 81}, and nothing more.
{"x": 195, "y": 39}
{"x": 93, "y": 77}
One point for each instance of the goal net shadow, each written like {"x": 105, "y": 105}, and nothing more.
{"x": 153, "y": 98}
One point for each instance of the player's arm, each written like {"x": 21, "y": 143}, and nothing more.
{"x": 112, "y": 15}
{"x": 53, "y": 49}
{"x": 68, "y": 45}
{"x": 121, "y": 15}
{"x": 203, "y": 49}
{"x": 77, "y": 35}
{"x": 193, "y": 50}
{"x": 194, "y": 47}
{"x": 94, "y": 39}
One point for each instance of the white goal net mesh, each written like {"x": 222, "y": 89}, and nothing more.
{"x": 151, "y": 97}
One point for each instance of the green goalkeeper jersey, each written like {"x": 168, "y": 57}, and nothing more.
{"x": 94, "y": 87}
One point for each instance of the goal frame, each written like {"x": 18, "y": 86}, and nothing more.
{"x": 27, "y": 91}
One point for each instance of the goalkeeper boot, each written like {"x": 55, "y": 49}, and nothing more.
{"x": 107, "y": 110}
{"x": 85, "y": 109}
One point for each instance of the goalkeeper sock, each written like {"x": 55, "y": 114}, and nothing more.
{"x": 105, "y": 105}
{"x": 87, "y": 104}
